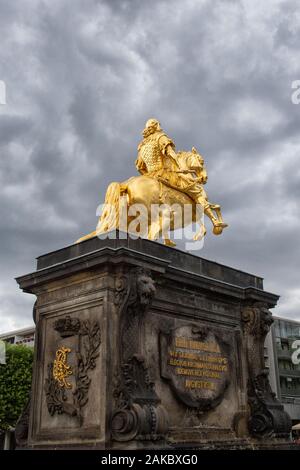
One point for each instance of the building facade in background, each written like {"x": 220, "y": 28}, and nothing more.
{"x": 23, "y": 336}
{"x": 286, "y": 344}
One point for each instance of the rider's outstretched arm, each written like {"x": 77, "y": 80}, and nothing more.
{"x": 172, "y": 154}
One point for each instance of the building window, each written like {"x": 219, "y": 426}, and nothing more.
{"x": 10, "y": 340}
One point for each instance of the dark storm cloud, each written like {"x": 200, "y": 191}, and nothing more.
{"x": 82, "y": 78}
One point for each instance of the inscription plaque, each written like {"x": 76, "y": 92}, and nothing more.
{"x": 195, "y": 362}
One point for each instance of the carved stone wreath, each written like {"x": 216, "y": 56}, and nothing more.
{"x": 88, "y": 343}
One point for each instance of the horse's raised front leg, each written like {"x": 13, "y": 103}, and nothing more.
{"x": 217, "y": 221}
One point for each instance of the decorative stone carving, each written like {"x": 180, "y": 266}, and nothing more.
{"x": 67, "y": 326}
{"x": 138, "y": 384}
{"x": 196, "y": 363}
{"x": 121, "y": 289}
{"x": 56, "y": 396}
{"x": 58, "y": 399}
{"x": 268, "y": 418}
{"x": 138, "y": 413}
{"x": 133, "y": 295}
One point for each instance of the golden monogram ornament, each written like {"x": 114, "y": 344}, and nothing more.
{"x": 61, "y": 370}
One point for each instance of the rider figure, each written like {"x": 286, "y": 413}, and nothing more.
{"x": 157, "y": 158}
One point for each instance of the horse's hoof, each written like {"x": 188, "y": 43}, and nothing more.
{"x": 169, "y": 242}
{"x": 218, "y": 228}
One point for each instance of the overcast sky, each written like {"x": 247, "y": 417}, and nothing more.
{"x": 82, "y": 77}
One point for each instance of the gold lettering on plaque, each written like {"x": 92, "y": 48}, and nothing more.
{"x": 200, "y": 384}
{"x": 187, "y": 343}
{"x": 203, "y": 359}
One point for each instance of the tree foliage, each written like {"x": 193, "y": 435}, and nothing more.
{"x": 15, "y": 383}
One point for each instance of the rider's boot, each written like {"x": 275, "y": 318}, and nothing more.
{"x": 210, "y": 214}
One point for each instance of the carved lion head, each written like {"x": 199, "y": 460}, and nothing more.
{"x": 145, "y": 288}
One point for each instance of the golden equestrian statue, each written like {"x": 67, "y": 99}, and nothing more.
{"x": 168, "y": 179}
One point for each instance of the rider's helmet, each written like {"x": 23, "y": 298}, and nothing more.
{"x": 151, "y": 126}
{"x": 152, "y": 122}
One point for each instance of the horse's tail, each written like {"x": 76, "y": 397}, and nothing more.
{"x": 109, "y": 219}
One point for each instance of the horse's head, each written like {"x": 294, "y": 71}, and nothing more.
{"x": 193, "y": 161}
{"x": 196, "y": 163}
{"x": 196, "y": 160}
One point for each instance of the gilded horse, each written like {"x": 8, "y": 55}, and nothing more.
{"x": 146, "y": 192}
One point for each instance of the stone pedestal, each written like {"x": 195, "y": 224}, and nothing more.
{"x": 139, "y": 345}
